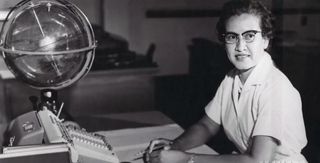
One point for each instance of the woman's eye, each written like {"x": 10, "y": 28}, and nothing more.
{"x": 231, "y": 37}
{"x": 249, "y": 35}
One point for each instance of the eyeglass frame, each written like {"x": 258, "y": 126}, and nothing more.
{"x": 242, "y": 35}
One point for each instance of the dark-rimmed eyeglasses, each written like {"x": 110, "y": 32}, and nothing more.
{"x": 247, "y": 36}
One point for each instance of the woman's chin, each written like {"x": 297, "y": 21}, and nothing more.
{"x": 244, "y": 68}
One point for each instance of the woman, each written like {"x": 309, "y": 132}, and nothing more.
{"x": 257, "y": 106}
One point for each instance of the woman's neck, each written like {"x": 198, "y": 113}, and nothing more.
{"x": 244, "y": 74}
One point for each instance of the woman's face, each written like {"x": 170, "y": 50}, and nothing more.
{"x": 243, "y": 51}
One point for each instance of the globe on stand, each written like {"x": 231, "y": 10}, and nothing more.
{"x": 48, "y": 44}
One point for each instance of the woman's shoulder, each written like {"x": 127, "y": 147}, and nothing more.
{"x": 276, "y": 75}
{"x": 276, "y": 78}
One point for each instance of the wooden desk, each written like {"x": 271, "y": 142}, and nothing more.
{"x": 128, "y": 142}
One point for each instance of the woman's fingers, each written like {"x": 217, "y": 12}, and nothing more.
{"x": 154, "y": 143}
{"x": 159, "y": 143}
{"x": 152, "y": 157}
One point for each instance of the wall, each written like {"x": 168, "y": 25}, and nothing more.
{"x": 301, "y": 41}
{"x": 171, "y": 35}
{"x": 89, "y": 7}
{"x": 127, "y": 19}
{"x": 305, "y": 22}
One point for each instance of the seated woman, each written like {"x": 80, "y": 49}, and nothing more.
{"x": 257, "y": 106}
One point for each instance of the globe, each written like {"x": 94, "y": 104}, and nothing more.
{"x": 48, "y": 44}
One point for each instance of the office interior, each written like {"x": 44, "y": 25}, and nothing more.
{"x": 156, "y": 55}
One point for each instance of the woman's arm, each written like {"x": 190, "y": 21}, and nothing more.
{"x": 196, "y": 135}
{"x": 261, "y": 151}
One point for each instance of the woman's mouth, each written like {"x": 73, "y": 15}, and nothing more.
{"x": 241, "y": 56}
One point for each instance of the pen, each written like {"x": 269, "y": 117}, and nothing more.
{"x": 159, "y": 146}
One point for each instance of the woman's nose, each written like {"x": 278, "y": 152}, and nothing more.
{"x": 240, "y": 45}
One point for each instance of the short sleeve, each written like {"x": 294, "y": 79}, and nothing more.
{"x": 277, "y": 104}
{"x": 213, "y": 109}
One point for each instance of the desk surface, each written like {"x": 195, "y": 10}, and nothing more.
{"x": 128, "y": 142}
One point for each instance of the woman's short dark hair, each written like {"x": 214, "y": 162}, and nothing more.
{"x": 238, "y": 7}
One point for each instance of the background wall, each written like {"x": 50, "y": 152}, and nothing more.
{"x": 172, "y": 35}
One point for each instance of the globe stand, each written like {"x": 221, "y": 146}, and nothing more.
{"x": 48, "y": 100}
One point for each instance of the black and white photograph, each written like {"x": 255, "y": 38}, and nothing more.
{"x": 159, "y": 81}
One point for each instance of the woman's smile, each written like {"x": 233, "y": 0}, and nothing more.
{"x": 241, "y": 57}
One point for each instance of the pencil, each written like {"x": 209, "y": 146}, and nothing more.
{"x": 147, "y": 150}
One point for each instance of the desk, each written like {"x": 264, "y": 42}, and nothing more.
{"x": 128, "y": 142}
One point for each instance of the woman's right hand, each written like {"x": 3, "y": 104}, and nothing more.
{"x": 155, "y": 147}
{"x": 167, "y": 156}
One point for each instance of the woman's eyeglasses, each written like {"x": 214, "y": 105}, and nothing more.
{"x": 247, "y": 36}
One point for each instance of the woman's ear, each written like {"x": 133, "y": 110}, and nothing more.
{"x": 266, "y": 43}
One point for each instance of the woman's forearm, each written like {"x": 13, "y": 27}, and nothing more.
{"x": 196, "y": 135}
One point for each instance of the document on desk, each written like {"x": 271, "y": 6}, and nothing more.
{"x": 128, "y": 142}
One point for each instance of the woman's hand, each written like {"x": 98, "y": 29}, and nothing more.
{"x": 167, "y": 156}
{"x": 159, "y": 143}
{"x": 156, "y": 145}
{"x": 159, "y": 151}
